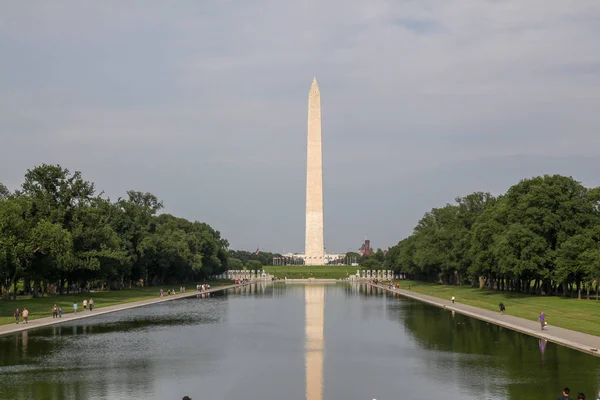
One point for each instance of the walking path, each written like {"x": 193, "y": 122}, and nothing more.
{"x": 41, "y": 322}
{"x": 565, "y": 337}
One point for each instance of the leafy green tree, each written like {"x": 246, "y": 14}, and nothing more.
{"x": 133, "y": 224}
{"x": 254, "y": 265}
{"x": 235, "y": 264}
{"x": 371, "y": 263}
{"x": 4, "y": 192}
{"x": 16, "y": 252}
{"x": 265, "y": 257}
{"x": 379, "y": 256}
{"x": 543, "y": 235}
{"x": 58, "y": 231}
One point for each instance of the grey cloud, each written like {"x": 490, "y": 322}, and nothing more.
{"x": 204, "y": 104}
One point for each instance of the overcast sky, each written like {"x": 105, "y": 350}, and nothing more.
{"x": 204, "y": 104}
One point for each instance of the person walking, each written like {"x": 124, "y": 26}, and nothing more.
{"x": 543, "y": 322}
{"x": 453, "y": 299}
{"x": 54, "y": 311}
{"x": 59, "y": 311}
{"x": 502, "y": 308}
{"x": 565, "y": 393}
{"x": 17, "y": 315}
{"x": 598, "y": 398}
{"x": 84, "y": 304}
{"x": 75, "y": 307}
{"x": 581, "y": 396}
{"x": 91, "y": 304}
{"x": 25, "y": 315}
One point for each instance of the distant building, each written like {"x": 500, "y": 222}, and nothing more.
{"x": 365, "y": 249}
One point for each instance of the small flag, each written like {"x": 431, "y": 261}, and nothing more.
{"x": 256, "y": 251}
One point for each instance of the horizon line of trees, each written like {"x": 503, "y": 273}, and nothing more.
{"x": 250, "y": 260}
{"x": 57, "y": 233}
{"x": 542, "y": 236}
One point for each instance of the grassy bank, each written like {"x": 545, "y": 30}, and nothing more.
{"x": 579, "y": 315}
{"x": 304, "y": 271}
{"x": 42, "y": 307}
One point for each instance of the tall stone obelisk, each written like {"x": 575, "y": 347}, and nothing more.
{"x": 314, "y": 246}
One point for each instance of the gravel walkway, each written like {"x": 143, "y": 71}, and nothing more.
{"x": 41, "y": 322}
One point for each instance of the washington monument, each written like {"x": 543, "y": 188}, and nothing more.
{"x": 314, "y": 248}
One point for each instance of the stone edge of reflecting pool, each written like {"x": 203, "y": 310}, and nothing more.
{"x": 583, "y": 342}
{"x": 49, "y": 321}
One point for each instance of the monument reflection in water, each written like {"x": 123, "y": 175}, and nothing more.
{"x": 314, "y": 298}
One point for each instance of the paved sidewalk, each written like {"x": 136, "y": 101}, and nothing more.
{"x": 41, "y": 322}
{"x": 576, "y": 340}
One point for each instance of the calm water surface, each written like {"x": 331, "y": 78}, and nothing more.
{"x": 288, "y": 342}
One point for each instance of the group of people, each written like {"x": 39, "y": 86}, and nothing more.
{"x": 18, "y": 314}
{"x": 57, "y": 311}
{"x": 172, "y": 292}
{"x": 85, "y": 305}
{"x": 203, "y": 288}
{"x": 580, "y": 396}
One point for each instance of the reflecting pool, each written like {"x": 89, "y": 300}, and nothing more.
{"x": 292, "y": 341}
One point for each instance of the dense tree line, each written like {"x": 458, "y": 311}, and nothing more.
{"x": 373, "y": 261}
{"x": 542, "y": 236}
{"x": 250, "y": 260}
{"x": 57, "y": 232}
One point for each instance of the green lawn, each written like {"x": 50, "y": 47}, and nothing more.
{"x": 42, "y": 307}
{"x": 304, "y": 271}
{"x": 579, "y": 315}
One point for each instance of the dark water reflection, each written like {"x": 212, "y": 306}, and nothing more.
{"x": 275, "y": 342}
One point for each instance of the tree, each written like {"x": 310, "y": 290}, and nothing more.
{"x": 58, "y": 231}
{"x": 15, "y": 249}
{"x": 379, "y": 256}
{"x": 543, "y": 235}
{"x": 235, "y": 264}
{"x": 4, "y": 192}
{"x": 371, "y": 263}
{"x": 254, "y": 265}
{"x": 133, "y": 224}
